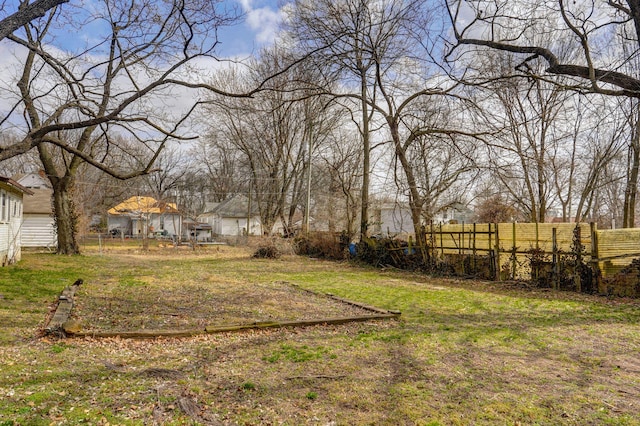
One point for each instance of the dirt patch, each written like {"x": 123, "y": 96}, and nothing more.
{"x": 147, "y": 304}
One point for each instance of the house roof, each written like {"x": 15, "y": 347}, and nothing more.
{"x": 236, "y": 206}
{"x": 143, "y": 205}
{"x": 39, "y": 202}
{"x": 15, "y": 186}
{"x": 195, "y": 225}
{"x": 209, "y": 206}
{"x": 33, "y": 180}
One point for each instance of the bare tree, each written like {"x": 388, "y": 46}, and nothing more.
{"x": 523, "y": 155}
{"x": 593, "y": 45}
{"x": 107, "y": 89}
{"x": 219, "y": 161}
{"x": 346, "y": 38}
{"x": 26, "y": 13}
{"x": 514, "y": 26}
{"x": 276, "y": 132}
{"x": 172, "y": 166}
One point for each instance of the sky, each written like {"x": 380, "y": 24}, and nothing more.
{"x": 258, "y": 28}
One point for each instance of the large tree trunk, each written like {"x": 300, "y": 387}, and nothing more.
{"x": 65, "y": 215}
{"x": 631, "y": 190}
{"x": 366, "y": 165}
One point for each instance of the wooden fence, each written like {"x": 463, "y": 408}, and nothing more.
{"x": 563, "y": 255}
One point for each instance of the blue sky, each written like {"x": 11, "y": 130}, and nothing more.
{"x": 258, "y": 28}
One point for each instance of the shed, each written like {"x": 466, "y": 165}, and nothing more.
{"x": 194, "y": 230}
{"x": 38, "y": 224}
{"x": 11, "y": 210}
{"x": 230, "y": 217}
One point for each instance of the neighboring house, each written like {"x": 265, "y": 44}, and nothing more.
{"x": 454, "y": 213}
{"x": 194, "y": 230}
{"x": 297, "y": 226}
{"x": 140, "y": 216}
{"x": 33, "y": 180}
{"x": 11, "y": 208}
{"x": 38, "y": 225}
{"x": 229, "y": 218}
{"x": 392, "y": 219}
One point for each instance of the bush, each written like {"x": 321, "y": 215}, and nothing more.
{"x": 323, "y": 245}
{"x": 267, "y": 252}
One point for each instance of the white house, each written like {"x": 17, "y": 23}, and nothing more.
{"x": 140, "y": 216}
{"x": 38, "y": 224}
{"x": 454, "y": 213}
{"x": 391, "y": 219}
{"x": 194, "y": 230}
{"x": 11, "y": 208}
{"x": 229, "y": 218}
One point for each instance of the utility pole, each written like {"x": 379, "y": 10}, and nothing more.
{"x": 308, "y": 204}
{"x": 249, "y": 206}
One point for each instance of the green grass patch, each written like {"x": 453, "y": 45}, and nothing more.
{"x": 462, "y": 352}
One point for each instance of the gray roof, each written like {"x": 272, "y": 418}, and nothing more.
{"x": 236, "y": 206}
{"x": 38, "y": 203}
{"x": 209, "y": 206}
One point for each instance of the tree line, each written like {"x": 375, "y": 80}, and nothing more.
{"x": 523, "y": 109}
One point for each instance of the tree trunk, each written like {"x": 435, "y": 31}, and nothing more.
{"x": 65, "y": 215}
{"x": 364, "y": 208}
{"x": 631, "y": 189}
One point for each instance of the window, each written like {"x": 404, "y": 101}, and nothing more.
{"x": 3, "y": 197}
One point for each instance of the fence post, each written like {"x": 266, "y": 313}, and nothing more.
{"x": 577, "y": 251}
{"x": 492, "y": 262}
{"x": 475, "y": 263}
{"x": 441, "y": 243}
{"x": 514, "y": 258}
{"x": 461, "y": 249}
{"x": 554, "y": 260}
{"x": 497, "y": 255}
{"x": 433, "y": 245}
{"x": 595, "y": 265}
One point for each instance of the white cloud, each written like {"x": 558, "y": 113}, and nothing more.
{"x": 263, "y": 21}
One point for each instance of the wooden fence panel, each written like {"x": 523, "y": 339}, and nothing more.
{"x": 513, "y": 244}
{"x": 617, "y": 248}
{"x": 610, "y": 250}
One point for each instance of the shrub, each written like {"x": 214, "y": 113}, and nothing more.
{"x": 322, "y": 245}
{"x": 267, "y": 252}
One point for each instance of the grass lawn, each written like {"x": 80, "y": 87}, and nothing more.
{"x": 463, "y": 352}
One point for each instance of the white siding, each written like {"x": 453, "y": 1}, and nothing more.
{"x": 38, "y": 230}
{"x": 172, "y": 223}
{"x": 10, "y": 228}
{"x": 237, "y": 226}
{"x": 122, "y": 223}
{"x": 395, "y": 221}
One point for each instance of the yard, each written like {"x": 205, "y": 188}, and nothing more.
{"x": 463, "y": 352}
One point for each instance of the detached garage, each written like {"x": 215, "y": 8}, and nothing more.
{"x": 38, "y": 226}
